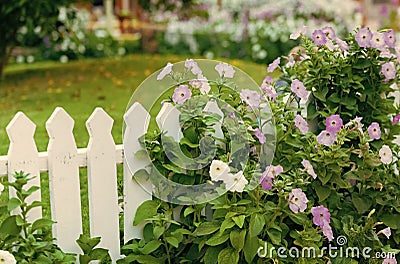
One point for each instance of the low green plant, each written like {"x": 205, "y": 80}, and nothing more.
{"x": 28, "y": 242}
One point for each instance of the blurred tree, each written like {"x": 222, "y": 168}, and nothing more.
{"x": 27, "y": 14}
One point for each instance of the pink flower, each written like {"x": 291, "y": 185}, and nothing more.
{"x": 319, "y": 37}
{"x": 268, "y": 79}
{"x": 301, "y": 31}
{"x": 309, "y": 168}
{"x": 396, "y": 119}
{"x": 386, "y": 232}
{"x": 390, "y": 38}
{"x": 299, "y": 89}
{"x": 260, "y": 135}
{"x": 386, "y": 155}
{"x": 269, "y": 91}
{"x": 250, "y": 97}
{"x": 191, "y": 65}
{"x": 389, "y": 70}
{"x": 327, "y": 231}
{"x": 274, "y": 64}
{"x": 266, "y": 183}
{"x": 329, "y": 32}
{"x": 181, "y": 94}
{"x": 225, "y": 70}
{"x": 363, "y": 38}
{"x": 268, "y": 175}
{"x": 164, "y": 72}
{"x": 321, "y": 215}
{"x": 378, "y": 41}
{"x": 334, "y": 123}
{"x": 273, "y": 170}
{"x": 297, "y": 200}
{"x": 342, "y": 44}
{"x": 390, "y": 260}
{"x": 374, "y": 131}
{"x": 326, "y": 138}
{"x": 301, "y": 124}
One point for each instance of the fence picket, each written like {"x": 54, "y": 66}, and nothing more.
{"x": 137, "y": 121}
{"x": 102, "y": 182}
{"x": 168, "y": 121}
{"x": 23, "y": 156}
{"x": 64, "y": 181}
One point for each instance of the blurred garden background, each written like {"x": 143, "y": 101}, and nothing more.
{"x": 84, "y": 54}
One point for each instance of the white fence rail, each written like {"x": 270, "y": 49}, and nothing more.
{"x": 62, "y": 162}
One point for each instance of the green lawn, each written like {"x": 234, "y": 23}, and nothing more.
{"x": 79, "y": 87}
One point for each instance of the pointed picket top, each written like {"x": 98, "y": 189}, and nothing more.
{"x": 23, "y": 156}
{"x": 212, "y": 107}
{"x": 64, "y": 183}
{"x": 135, "y": 192}
{"x": 59, "y": 121}
{"x": 168, "y": 120}
{"x": 99, "y": 122}
{"x": 102, "y": 182}
{"x": 20, "y": 128}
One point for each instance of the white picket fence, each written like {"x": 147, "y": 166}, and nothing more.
{"x": 62, "y": 162}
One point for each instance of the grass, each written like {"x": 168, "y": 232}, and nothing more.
{"x": 79, "y": 87}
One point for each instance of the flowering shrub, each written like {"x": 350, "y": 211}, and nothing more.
{"x": 256, "y": 30}
{"x": 333, "y": 181}
{"x": 70, "y": 39}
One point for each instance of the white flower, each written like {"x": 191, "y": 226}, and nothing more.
{"x": 7, "y": 258}
{"x": 1, "y": 187}
{"x": 386, "y": 154}
{"x": 235, "y": 182}
{"x": 387, "y": 232}
{"x": 191, "y": 65}
{"x": 64, "y": 59}
{"x": 218, "y": 170}
{"x": 164, "y": 72}
{"x": 225, "y": 70}
{"x": 205, "y": 86}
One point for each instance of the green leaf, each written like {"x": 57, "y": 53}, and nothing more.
{"x": 237, "y": 239}
{"x": 228, "y": 223}
{"x": 362, "y": 204}
{"x": 275, "y": 235}
{"x": 186, "y": 141}
{"x": 13, "y": 203}
{"x": 147, "y": 259}
{"x": 239, "y": 220}
{"x": 211, "y": 256}
{"x": 188, "y": 211}
{"x": 172, "y": 241}
{"x": 228, "y": 255}
{"x": 141, "y": 154}
{"x": 206, "y": 228}
{"x": 87, "y": 243}
{"x": 42, "y": 224}
{"x": 217, "y": 239}
{"x": 140, "y": 175}
{"x": 99, "y": 254}
{"x": 146, "y": 210}
{"x": 158, "y": 231}
{"x": 31, "y": 190}
{"x": 257, "y": 223}
{"x": 9, "y": 226}
{"x": 392, "y": 220}
{"x": 323, "y": 192}
{"x": 150, "y": 247}
{"x": 250, "y": 248}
